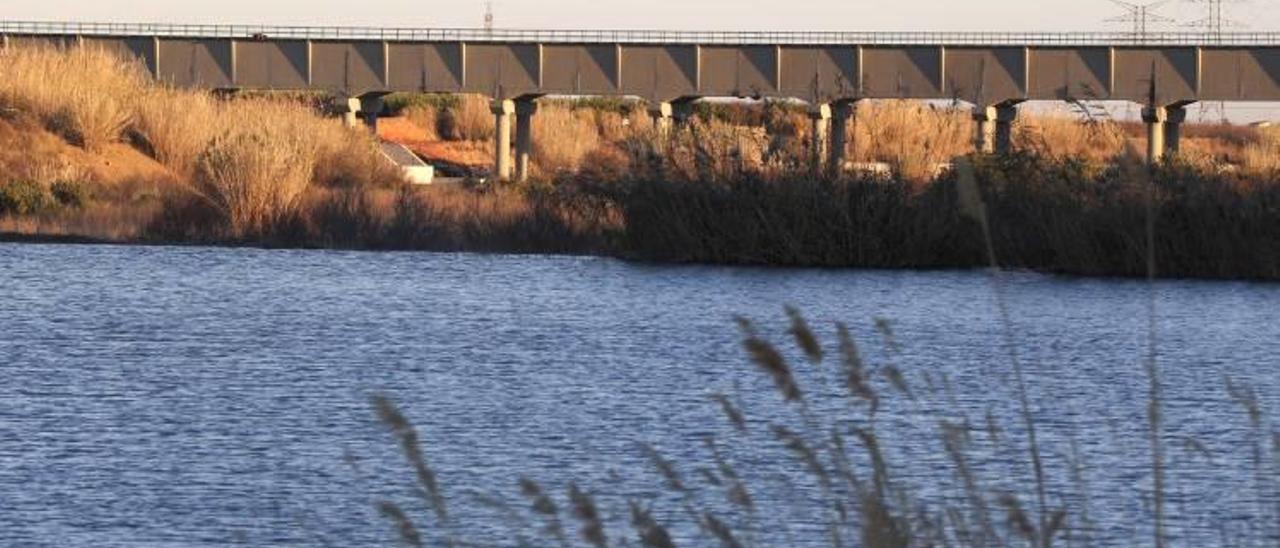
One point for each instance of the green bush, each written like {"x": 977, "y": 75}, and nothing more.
{"x": 25, "y": 198}
{"x": 397, "y": 103}
{"x": 72, "y": 194}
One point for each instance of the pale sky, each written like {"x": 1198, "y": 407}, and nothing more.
{"x": 997, "y": 15}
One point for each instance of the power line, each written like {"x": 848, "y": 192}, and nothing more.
{"x": 1141, "y": 16}
{"x": 1215, "y": 21}
{"x": 1214, "y": 24}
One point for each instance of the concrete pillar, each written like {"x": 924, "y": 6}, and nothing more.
{"x": 993, "y": 127}
{"x": 502, "y": 111}
{"x": 841, "y": 135}
{"x": 1006, "y": 115}
{"x": 350, "y": 109}
{"x": 1155, "y": 118}
{"x": 661, "y": 114}
{"x": 1174, "y": 117}
{"x": 370, "y": 106}
{"x": 984, "y": 121}
{"x": 821, "y": 117}
{"x": 525, "y": 110}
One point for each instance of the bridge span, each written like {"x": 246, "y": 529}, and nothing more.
{"x": 831, "y": 71}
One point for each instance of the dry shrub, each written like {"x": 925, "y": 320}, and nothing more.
{"x": 254, "y": 170}
{"x": 699, "y": 150}
{"x": 911, "y": 136}
{"x": 470, "y": 120}
{"x": 562, "y": 137}
{"x": 177, "y": 125}
{"x": 85, "y": 94}
{"x": 1065, "y": 136}
{"x": 427, "y": 118}
{"x": 350, "y": 158}
{"x": 1263, "y": 155}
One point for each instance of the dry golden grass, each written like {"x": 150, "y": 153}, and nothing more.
{"x": 86, "y": 95}
{"x": 470, "y": 120}
{"x": 563, "y": 137}
{"x": 426, "y": 118}
{"x": 1263, "y": 155}
{"x": 1070, "y": 137}
{"x": 911, "y": 136}
{"x": 177, "y": 125}
{"x": 257, "y": 166}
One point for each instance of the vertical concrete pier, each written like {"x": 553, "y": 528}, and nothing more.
{"x": 984, "y": 122}
{"x": 661, "y": 114}
{"x": 1155, "y": 118}
{"x": 819, "y": 149}
{"x": 349, "y": 107}
{"x": 1006, "y": 115}
{"x": 370, "y": 107}
{"x": 842, "y": 113}
{"x": 1174, "y": 117}
{"x": 993, "y": 127}
{"x": 525, "y": 111}
{"x": 502, "y": 111}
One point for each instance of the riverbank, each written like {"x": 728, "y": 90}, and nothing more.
{"x": 1069, "y": 222}
{"x": 91, "y": 149}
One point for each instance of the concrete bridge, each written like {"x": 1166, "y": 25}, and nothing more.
{"x": 831, "y": 71}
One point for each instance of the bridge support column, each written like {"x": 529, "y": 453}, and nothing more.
{"x": 842, "y": 113}
{"x": 349, "y": 107}
{"x": 502, "y": 111}
{"x": 984, "y": 120}
{"x": 1006, "y": 115}
{"x": 1156, "y": 119}
{"x": 370, "y": 106}
{"x": 1174, "y": 117}
{"x": 820, "y": 147}
{"x": 525, "y": 110}
{"x": 994, "y": 128}
{"x": 661, "y": 114}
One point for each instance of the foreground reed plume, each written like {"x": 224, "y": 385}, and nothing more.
{"x": 864, "y": 493}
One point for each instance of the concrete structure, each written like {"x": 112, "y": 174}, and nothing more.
{"x": 525, "y": 110}
{"x": 994, "y": 128}
{"x": 502, "y": 111}
{"x": 414, "y": 169}
{"x": 1162, "y": 71}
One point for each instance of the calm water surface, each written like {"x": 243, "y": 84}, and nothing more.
{"x": 165, "y": 396}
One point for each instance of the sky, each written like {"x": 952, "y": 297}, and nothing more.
{"x": 852, "y": 15}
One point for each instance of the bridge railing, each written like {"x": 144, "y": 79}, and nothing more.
{"x": 639, "y": 36}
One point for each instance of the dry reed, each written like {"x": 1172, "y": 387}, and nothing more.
{"x": 563, "y": 137}
{"x": 254, "y": 171}
{"x": 85, "y": 94}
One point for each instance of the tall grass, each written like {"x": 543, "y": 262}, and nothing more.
{"x": 1052, "y": 215}
{"x": 254, "y": 171}
{"x": 177, "y": 126}
{"x": 470, "y": 120}
{"x": 87, "y": 95}
{"x": 563, "y": 137}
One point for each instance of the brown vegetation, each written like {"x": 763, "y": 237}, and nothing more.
{"x": 733, "y": 185}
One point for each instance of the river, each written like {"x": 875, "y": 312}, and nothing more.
{"x": 189, "y": 396}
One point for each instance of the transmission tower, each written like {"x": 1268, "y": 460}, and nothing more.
{"x": 1141, "y": 16}
{"x": 488, "y": 17}
{"x": 1214, "y": 24}
{"x": 1215, "y": 21}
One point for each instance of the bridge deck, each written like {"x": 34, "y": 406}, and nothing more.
{"x": 983, "y": 67}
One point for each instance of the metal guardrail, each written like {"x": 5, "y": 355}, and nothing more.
{"x": 641, "y": 36}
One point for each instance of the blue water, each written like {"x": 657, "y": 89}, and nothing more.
{"x": 189, "y": 396}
